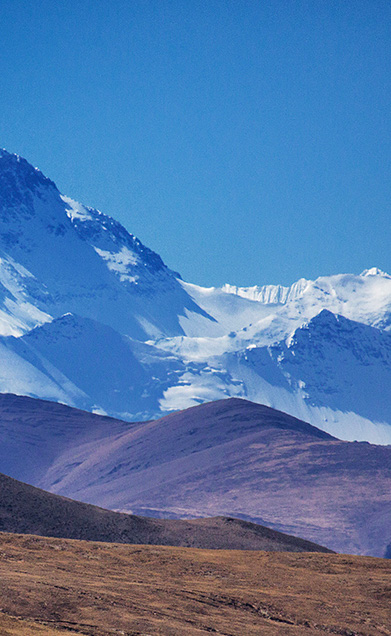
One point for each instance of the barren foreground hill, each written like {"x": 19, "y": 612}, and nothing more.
{"x": 58, "y": 586}
{"x": 29, "y": 510}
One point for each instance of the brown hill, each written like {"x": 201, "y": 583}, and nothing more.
{"x": 235, "y": 458}
{"x": 58, "y": 586}
{"x": 230, "y": 458}
{"x": 26, "y": 509}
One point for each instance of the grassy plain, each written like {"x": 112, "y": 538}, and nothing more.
{"x": 59, "y": 586}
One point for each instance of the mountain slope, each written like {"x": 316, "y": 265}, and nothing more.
{"x": 331, "y": 371}
{"x": 35, "y": 432}
{"x": 95, "y": 367}
{"x": 355, "y": 374}
{"x": 245, "y": 460}
{"x": 228, "y": 458}
{"x": 29, "y": 510}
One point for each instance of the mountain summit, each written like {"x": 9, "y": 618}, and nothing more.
{"x": 375, "y": 271}
{"x": 58, "y": 255}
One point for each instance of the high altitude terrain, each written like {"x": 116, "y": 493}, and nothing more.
{"x": 226, "y": 458}
{"x": 91, "y": 317}
{"x": 57, "y": 586}
{"x": 29, "y": 510}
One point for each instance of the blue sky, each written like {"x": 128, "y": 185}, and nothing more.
{"x": 246, "y": 142}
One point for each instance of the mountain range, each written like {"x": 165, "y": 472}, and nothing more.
{"x": 230, "y": 458}
{"x": 92, "y": 318}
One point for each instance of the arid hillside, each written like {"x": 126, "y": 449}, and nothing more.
{"x": 239, "y": 459}
{"x": 58, "y": 586}
{"x": 29, "y": 510}
{"x": 230, "y": 458}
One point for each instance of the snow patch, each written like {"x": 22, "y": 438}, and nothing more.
{"x": 119, "y": 262}
{"x": 375, "y": 271}
{"x": 76, "y": 210}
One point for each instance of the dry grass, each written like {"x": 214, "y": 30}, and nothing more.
{"x": 58, "y": 586}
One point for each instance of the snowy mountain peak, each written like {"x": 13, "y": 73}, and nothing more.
{"x": 326, "y": 326}
{"x": 18, "y": 177}
{"x": 25, "y": 194}
{"x": 375, "y": 271}
{"x": 321, "y": 326}
{"x": 324, "y": 317}
{"x": 57, "y": 255}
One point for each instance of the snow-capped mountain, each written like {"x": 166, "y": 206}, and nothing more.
{"x": 91, "y": 317}
{"x": 87, "y": 364}
{"x": 331, "y": 371}
{"x": 59, "y": 256}
{"x": 365, "y": 298}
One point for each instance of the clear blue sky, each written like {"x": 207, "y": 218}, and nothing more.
{"x": 245, "y": 141}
